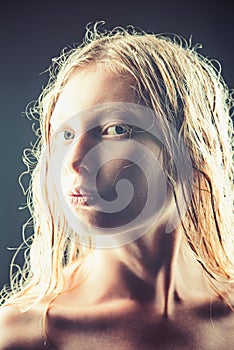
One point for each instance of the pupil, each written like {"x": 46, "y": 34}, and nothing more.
{"x": 67, "y": 134}
{"x": 120, "y": 129}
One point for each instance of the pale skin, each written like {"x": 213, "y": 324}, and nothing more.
{"x": 146, "y": 294}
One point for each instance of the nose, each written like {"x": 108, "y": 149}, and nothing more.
{"x": 76, "y": 160}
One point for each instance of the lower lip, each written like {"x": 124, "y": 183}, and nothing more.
{"x": 80, "y": 201}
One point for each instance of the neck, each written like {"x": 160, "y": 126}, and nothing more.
{"x": 142, "y": 271}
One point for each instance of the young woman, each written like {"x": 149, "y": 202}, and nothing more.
{"x": 132, "y": 203}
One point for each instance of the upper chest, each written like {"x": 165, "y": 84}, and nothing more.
{"x": 135, "y": 330}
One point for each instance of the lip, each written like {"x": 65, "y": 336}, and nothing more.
{"x": 80, "y": 197}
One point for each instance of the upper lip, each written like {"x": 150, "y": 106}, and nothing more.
{"x": 80, "y": 192}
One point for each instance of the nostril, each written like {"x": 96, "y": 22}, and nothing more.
{"x": 77, "y": 167}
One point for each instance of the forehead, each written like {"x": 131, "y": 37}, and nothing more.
{"x": 91, "y": 86}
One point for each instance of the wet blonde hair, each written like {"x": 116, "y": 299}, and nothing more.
{"x": 186, "y": 91}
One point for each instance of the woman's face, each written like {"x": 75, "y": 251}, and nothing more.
{"x": 96, "y": 136}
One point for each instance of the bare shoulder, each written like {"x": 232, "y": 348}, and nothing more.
{"x": 8, "y": 323}
{"x": 213, "y": 325}
{"x": 19, "y": 330}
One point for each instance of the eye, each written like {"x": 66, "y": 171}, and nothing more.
{"x": 68, "y": 135}
{"x": 116, "y": 130}
{"x": 64, "y": 136}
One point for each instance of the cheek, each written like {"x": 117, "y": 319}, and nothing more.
{"x": 65, "y": 179}
{"x": 112, "y": 172}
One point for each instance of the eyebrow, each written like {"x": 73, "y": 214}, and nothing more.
{"x": 58, "y": 117}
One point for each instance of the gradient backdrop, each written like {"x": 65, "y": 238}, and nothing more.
{"x": 31, "y": 33}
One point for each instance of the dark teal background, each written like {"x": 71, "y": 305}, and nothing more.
{"x": 31, "y": 33}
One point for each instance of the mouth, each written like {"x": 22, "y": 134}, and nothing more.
{"x": 80, "y": 197}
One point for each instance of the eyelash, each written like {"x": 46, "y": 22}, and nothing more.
{"x": 67, "y": 135}
{"x": 121, "y": 135}
{"x": 61, "y": 135}
{"x": 68, "y": 132}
